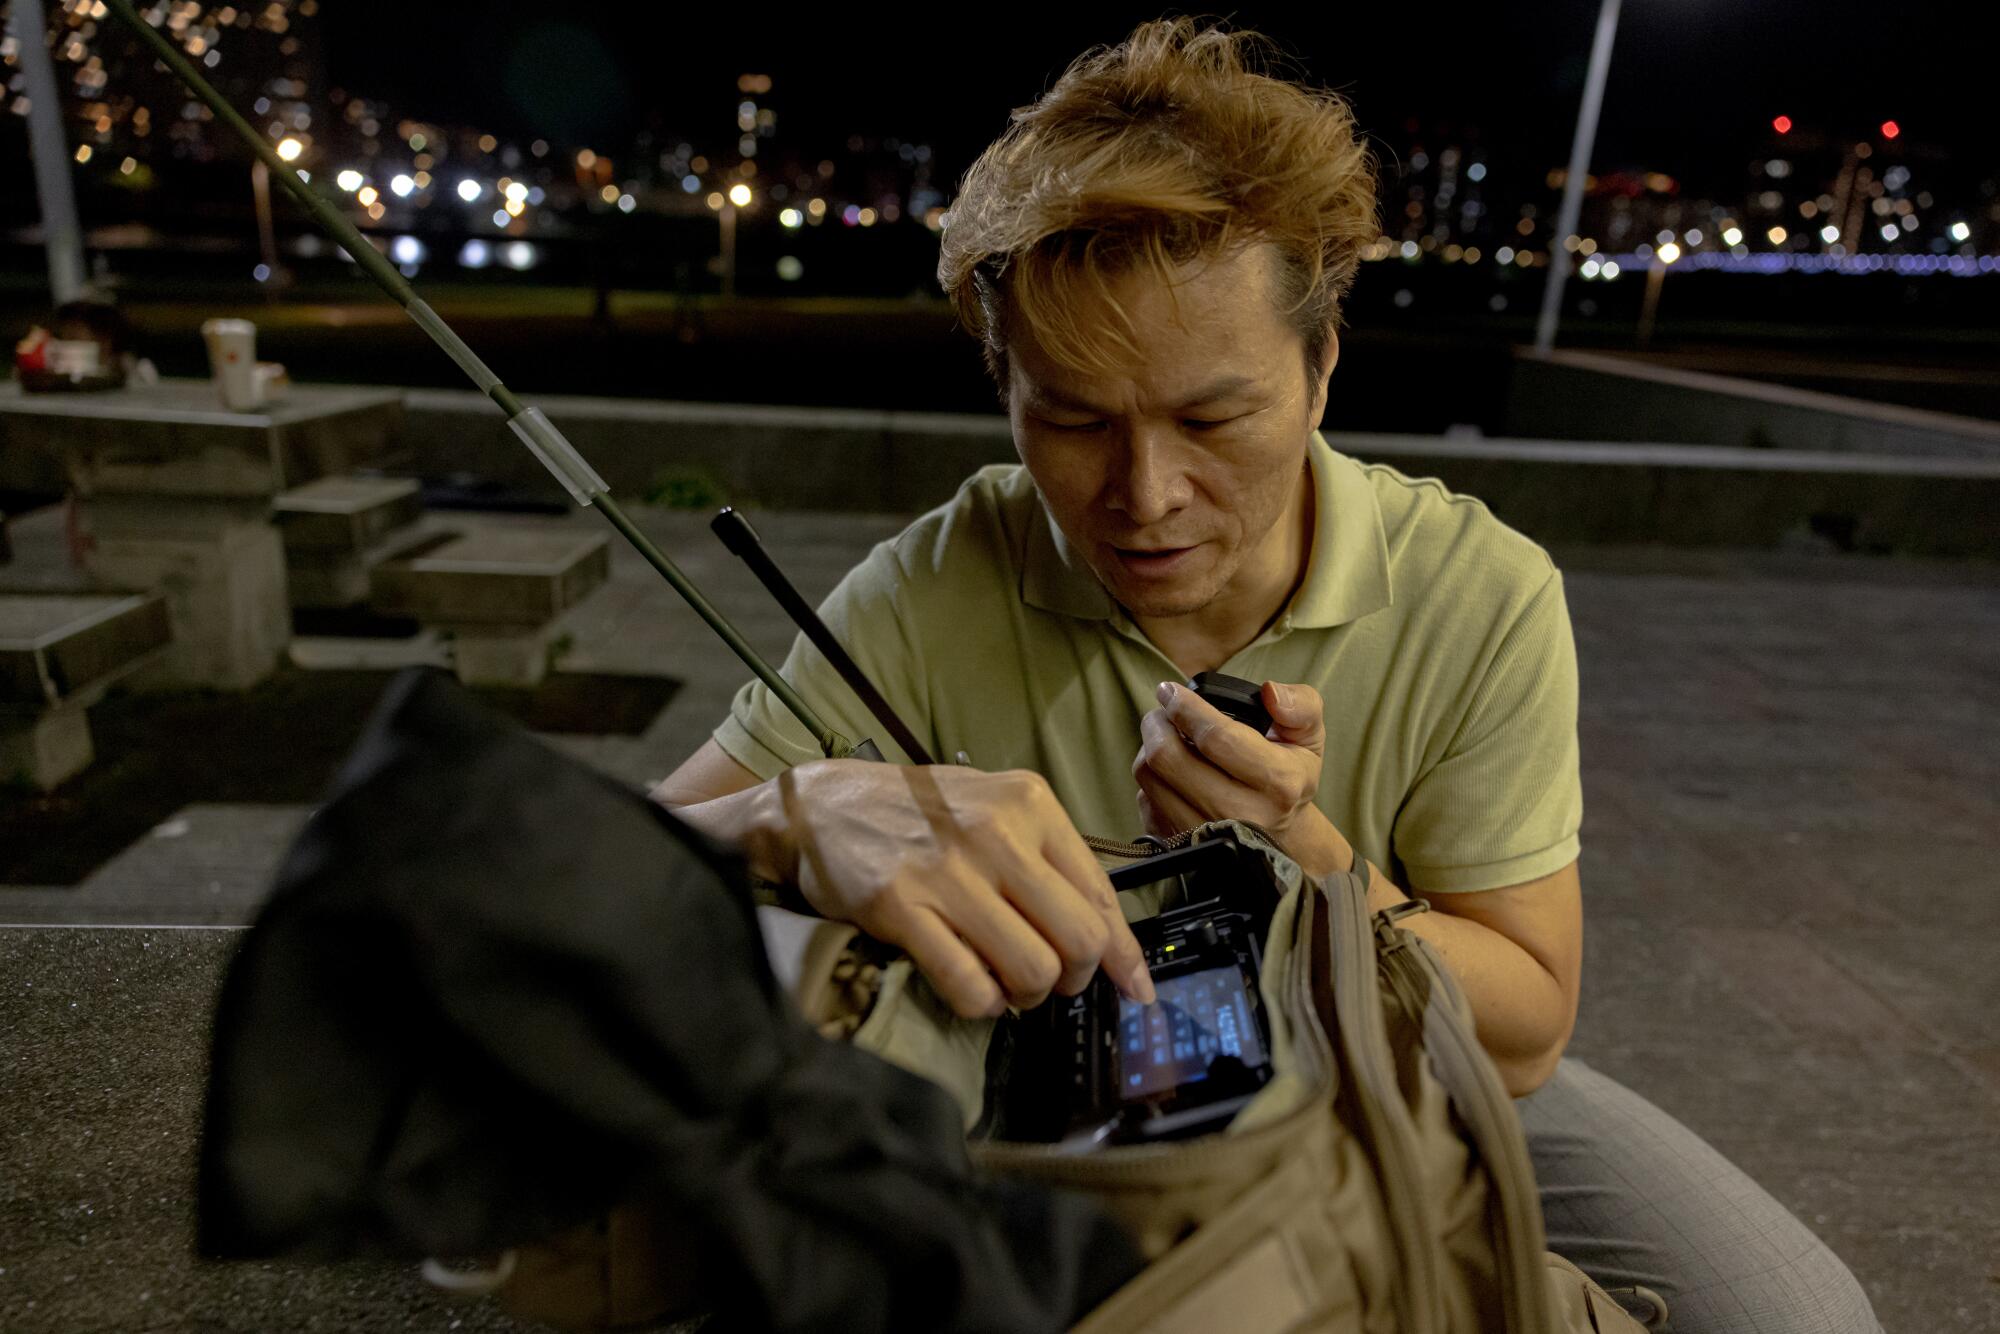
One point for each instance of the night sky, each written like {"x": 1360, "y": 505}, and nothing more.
{"x": 1693, "y": 86}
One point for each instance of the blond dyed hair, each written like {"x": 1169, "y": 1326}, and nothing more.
{"x": 1176, "y": 147}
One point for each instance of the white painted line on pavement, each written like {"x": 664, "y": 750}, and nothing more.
{"x": 115, "y": 926}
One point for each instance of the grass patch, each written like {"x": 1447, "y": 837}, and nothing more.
{"x": 684, "y": 489}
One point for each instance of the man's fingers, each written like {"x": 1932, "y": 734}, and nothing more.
{"x": 1217, "y": 738}
{"x": 1298, "y": 714}
{"x": 1064, "y": 850}
{"x": 1062, "y": 914}
{"x": 1120, "y": 956}
{"x": 980, "y": 877}
{"x": 956, "y": 973}
{"x": 1173, "y": 758}
{"x": 1172, "y": 811}
{"x": 1026, "y": 966}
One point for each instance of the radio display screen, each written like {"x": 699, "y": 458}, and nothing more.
{"x": 1198, "y": 1018}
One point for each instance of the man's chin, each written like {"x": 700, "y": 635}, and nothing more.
{"x": 1150, "y": 600}
{"x": 1155, "y": 607}
{"x": 1176, "y": 588}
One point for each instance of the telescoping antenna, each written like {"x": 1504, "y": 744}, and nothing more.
{"x": 737, "y": 534}
{"x": 534, "y": 429}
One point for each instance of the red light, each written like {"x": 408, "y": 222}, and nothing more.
{"x": 1782, "y": 124}
{"x": 1890, "y": 129}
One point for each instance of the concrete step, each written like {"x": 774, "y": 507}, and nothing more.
{"x": 492, "y": 577}
{"x": 58, "y": 652}
{"x": 343, "y": 514}
{"x": 338, "y": 529}
{"x": 497, "y": 592}
{"x": 57, "y": 647}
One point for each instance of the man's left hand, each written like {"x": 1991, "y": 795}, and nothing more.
{"x": 1197, "y": 764}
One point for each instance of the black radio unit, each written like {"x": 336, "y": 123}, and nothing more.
{"x": 1097, "y": 1068}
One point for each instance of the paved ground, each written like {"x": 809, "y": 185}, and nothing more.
{"x": 1792, "y": 782}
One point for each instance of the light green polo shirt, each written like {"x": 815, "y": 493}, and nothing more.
{"x": 1437, "y": 635}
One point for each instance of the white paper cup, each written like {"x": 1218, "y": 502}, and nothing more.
{"x": 232, "y": 360}
{"x": 272, "y": 382}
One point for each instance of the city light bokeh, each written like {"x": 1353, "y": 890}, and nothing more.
{"x": 1814, "y": 197}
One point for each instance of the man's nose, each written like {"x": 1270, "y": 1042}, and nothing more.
{"x": 1151, "y": 486}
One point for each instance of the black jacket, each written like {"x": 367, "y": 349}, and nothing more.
{"x": 494, "y": 994}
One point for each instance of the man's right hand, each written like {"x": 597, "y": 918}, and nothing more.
{"x": 979, "y": 877}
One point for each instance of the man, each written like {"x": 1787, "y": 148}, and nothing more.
{"x": 1153, "y": 258}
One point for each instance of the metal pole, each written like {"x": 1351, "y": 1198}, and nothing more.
{"x": 1844, "y": 194}
{"x": 1649, "y": 310}
{"x": 267, "y": 238}
{"x": 1855, "y": 211}
{"x": 728, "y": 249}
{"x": 1579, "y": 167}
{"x": 62, "y": 238}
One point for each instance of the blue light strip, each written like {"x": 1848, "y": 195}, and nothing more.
{"x": 1961, "y": 266}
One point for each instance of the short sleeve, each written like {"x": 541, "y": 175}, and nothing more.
{"x": 864, "y": 611}
{"x": 1505, "y": 804}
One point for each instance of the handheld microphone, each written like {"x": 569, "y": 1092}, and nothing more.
{"x": 1235, "y": 697}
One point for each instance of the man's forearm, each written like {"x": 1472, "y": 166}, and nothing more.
{"x": 1518, "y": 1006}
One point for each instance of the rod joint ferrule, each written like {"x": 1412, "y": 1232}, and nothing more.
{"x": 558, "y": 455}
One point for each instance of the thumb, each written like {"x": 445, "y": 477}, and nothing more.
{"x": 1298, "y": 716}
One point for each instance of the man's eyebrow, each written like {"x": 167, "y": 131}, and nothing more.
{"x": 1222, "y": 388}
{"x": 1208, "y": 393}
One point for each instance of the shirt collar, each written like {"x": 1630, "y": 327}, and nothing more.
{"x": 1347, "y": 575}
{"x": 1347, "y": 572}
{"x": 1054, "y": 577}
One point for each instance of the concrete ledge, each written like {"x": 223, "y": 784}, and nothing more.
{"x": 1596, "y": 396}
{"x": 793, "y": 458}
{"x": 1554, "y": 490}
{"x": 1691, "y": 496}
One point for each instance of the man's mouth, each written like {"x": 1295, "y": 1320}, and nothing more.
{"x": 1152, "y": 562}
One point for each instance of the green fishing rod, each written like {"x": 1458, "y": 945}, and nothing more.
{"x": 534, "y": 429}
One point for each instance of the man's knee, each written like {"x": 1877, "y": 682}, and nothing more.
{"x": 1632, "y": 1196}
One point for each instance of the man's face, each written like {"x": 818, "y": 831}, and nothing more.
{"x": 1168, "y": 477}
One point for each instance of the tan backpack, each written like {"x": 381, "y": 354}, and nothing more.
{"x": 1379, "y": 1181}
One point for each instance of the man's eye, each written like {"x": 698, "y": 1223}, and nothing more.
{"x": 1076, "y": 426}
{"x": 1206, "y": 424}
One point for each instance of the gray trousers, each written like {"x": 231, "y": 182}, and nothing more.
{"x": 1632, "y": 1196}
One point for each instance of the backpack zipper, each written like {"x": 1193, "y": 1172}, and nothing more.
{"x": 1474, "y": 1086}
{"x": 1365, "y": 1039}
